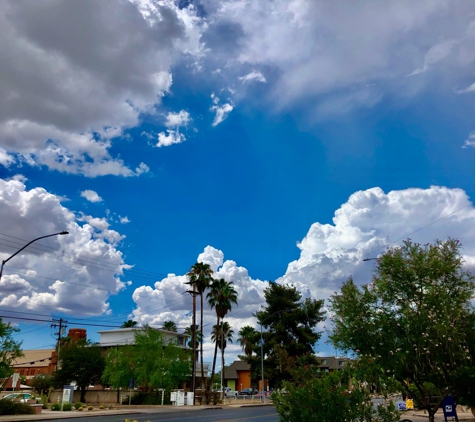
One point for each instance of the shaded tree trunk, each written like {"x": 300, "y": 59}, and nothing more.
{"x": 83, "y": 394}
{"x": 201, "y": 345}
{"x": 193, "y": 340}
{"x": 215, "y": 356}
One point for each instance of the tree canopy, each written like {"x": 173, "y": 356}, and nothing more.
{"x": 81, "y": 361}
{"x": 152, "y": 362}
{"x": 9, "y": 349}
{"x": 415, "y": 319}
{"x": 290, "y": 332}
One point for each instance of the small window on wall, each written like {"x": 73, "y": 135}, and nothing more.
{"x": 324, "y": 362}
{"x": 340, "y": 362}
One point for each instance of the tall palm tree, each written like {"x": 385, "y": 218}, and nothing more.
{"x": 247, "y": 334}
{"x": 221, "y": 335}
{"x": 200, "y": 276}
{"x": 221, "y": 297}
{"x": 128, "y": 324}
{"x": 189, "y": 331}
{"x": 170, "y": 326}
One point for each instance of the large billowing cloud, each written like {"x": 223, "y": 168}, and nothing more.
{"x": 75, "y": 74}
{"x": 345, "y": 53}
{"x": 364, "y": 226}
{"x": 73, "y": 273}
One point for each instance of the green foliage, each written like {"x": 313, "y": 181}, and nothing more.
{"x": 128, "y": 324}
{"x": 290, "y": 332}
{"x": 9, "y": 349}
{"x": 152, "y": 362}
{"x": 248, "y": 338}
{"x": 42, "y": 383}
{"x": 415, "y": 320}
{"x": 8, "y": 407}
{"x": 56, "y": 407}
{"x": 81, "y": 361}
{"x": 170, "y": 326}
{"x": 77, "y": 405}
{"x": 67, "y": 407}
{"x": 90, "y": 408}
{"x": 142, "y": 398}
{"x": 329, "y": 399}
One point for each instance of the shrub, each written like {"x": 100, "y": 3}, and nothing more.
{"x": 90, "y": 408}
{"x": 145, "y": 398}
{"x": 81, "y": 408}
{"x": 101, "y": 407}
{"x": 77, "y": 405}
{"x": 8, "y": 407}
{"x": 56, "y": 406}
{"x": 67, "y": 407}
{"x": 327, "y": 399}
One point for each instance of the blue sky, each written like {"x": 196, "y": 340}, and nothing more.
{"x": 282, "y": 141}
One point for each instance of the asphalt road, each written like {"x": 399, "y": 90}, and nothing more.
{"x": 229, "y": 414}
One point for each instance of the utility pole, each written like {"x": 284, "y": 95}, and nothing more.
{"x": 193, "y": 339}
{"x": 61, "y": 324}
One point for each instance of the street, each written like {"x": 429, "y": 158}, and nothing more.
{"x": 228, "y": 414}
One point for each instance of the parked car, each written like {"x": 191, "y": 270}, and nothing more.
{"x": 266, "y": 393}
{"x": 247, "y": 392}
{"x": 230, "y": 393}
{"x": 22, "y": 397}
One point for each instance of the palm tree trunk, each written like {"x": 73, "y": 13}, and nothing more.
{"x": 215, "y": 355}
{"x": 193, "y": 339}
{"x": 222, "y": 364}
{"x": 201, "y": 346}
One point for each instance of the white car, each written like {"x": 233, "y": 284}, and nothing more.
{"x": 22, "y": 397}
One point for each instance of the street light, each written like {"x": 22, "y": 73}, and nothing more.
{"x": 262, "y": 357}
{"x": 370, "y": 259}
{"x": 28, "y": 244}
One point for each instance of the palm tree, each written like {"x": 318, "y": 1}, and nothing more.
{"x": 221, "y": 297}
{"x": 190, "y": 332}
{"x": 200, "y": 276}
{"x": 170, "y": 326}
{"x": 129, "y": 324}
{"x": 221, "y": 335}
{"x": 247, "y": 334}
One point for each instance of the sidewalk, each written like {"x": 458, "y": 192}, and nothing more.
{"x": 463, "y": 414}
{"x": 48, "y": 415}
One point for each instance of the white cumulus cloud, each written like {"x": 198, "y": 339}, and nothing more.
{"x": 221, "y": 111}
{"x": 364, "y": 226}
{"x": 56, "y": 274}
{"x": 91, "y": 195}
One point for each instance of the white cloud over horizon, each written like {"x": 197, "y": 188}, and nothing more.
{"x": 364, "y": 226}
{"x": 174, "y": 121}
{"x": 73, "y": 274}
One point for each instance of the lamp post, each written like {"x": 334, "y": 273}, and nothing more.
{"x": 28, "y": 244}
{"x": 262, "y": 356}
{"x": 370, "y": 259}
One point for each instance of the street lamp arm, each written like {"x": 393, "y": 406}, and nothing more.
{"x": 370, "y": 259}
{"x": 28, "y": 244}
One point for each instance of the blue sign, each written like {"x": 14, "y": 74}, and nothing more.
{"x": 131, "y": 383}
{"x": 448, "y": 406}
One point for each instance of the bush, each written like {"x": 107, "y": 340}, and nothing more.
{"x": 77, "y": 405}
{"x": 145, "y": 398}
{"x": 67, "y": 407}
{"x": 212, "y": 397}
{"x": 8, "y": 407}
{"x": 80, "y": 409}
{"x": 90, "y": 408}
{"x": 55, "y": 406}
{"x": 327, "y": 399}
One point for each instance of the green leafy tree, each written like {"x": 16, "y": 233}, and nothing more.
{"x": 128, "y": 324}
{"x": 10, "y": 350}
{"x": 42, "y": 383}
{"x": 159, "y": 363}
{"x": 414, "y": 320}
{"x": 221, "y": 296}
{"x": 152, "y": 362}
{"x": 81, "y": 361}
{"x": 119, "y": 367}
{"x": 170, "y": 326}
{"x": 290, "y": 331}
{"x": 200, "y": 276}
{"x": 330, "y": 398}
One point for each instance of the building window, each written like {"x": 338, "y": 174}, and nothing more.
{"x": 340, "y": 362}
{"x": 324, "y": 362}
